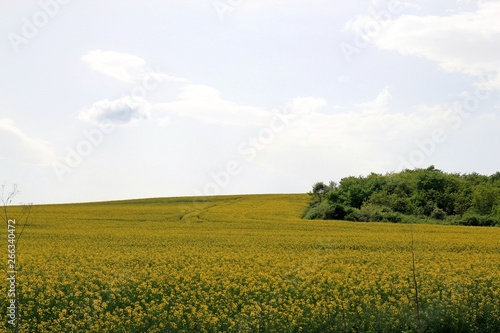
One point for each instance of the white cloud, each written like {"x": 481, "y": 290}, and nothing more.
{"x": 19, "y": 147}
{"x": 488, "y": 116}
{"x": 205, "y": 103}
{"x": 302, "y": 111}
{"x": 306, "y": 105}
{"x": 125, "y": 67}
{"x": 468, "y": 42}
{"x": 121, "y": 66}
{"x": 356, "y": 142}
{"x": 201, "y": 102}
{"x": 378, "y": 105}
{"x": 376, "y": 124}
{"x": 123, "y": 111}
{"x": 344, "y": 78}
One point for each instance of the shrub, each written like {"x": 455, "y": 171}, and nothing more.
{"x": 392, "y": 217}
{"x": 490, "y": 221}
{"x": 371, "y": 213}
{"x": 438, "y": 214}
{"x": 327, "y": 211}
{"x": 338, "y": 212}
{"x": 479, "y": 221}
{"x": 353, "y": 216}
{"x": 318, "y": 211}
{"x": 495, "y": 211}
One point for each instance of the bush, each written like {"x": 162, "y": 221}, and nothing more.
{"x": 353, "y": 216}
{"x": 392, "y": 217}
{"x": 326, "y": 211}
{"x": 371, "y": 213}
{"x": 495, "y": 211}
{"x": 479, "y": 221}
{"x": 438, "y": 214}
{"x": 338, "y": 212}
{"x": 413, "y": 196}
{"x": 317, "y": 212}
{"x": 490, "y": 221}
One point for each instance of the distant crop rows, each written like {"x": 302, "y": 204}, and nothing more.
{"x": 248, "y": 264}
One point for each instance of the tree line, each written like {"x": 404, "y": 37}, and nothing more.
{"x": 410, "y": 196}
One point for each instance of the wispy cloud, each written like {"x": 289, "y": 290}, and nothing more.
{"x": 121, "y": 66}
{"x": 353, "y": 138}
{"x": 468, "y": 42}
{"x": 205, "y": 103}
{"x": 129, "y": 109}
{"x": 21, "y": 148}
{"x": 124, "y": 67}
{"x": 196, "y": 101}
{"x": 378, "y": 105}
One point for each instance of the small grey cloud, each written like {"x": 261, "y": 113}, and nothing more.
{"x": 124, "y": 111}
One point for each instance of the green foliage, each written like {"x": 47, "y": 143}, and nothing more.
{"x": 392, "y": 217}
{"x": 318, "y": 211}
{"x": 438, "y": 214}
{"x": 327, "y": 211}
{"x": 318, "y": 191}
{"x": 484, "y": 198}
{"x": 371, "y": 213}
{"x": 426, "y": 194}
{"x": 495, "y": 211}
{"x": 462, "y": 200}
{"x": 479, "y": 221}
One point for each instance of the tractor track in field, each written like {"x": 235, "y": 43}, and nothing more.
{"x": 196, "y": 213}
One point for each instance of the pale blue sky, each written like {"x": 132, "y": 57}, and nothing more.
{"x": 103, "y": 100}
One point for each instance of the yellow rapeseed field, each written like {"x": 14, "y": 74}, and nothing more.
{"x": 247, "y": 264}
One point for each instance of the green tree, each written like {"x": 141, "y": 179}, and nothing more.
{"x": 318, "y": 192}
{"x": 484, "y": 198}
{"x": 470, "y": 199}
{"x": 462, "y": 200}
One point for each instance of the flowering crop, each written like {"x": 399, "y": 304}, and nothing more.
{"x": 248, "y": 264}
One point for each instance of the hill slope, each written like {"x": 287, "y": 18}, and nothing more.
{"x": 247, "y": 264}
